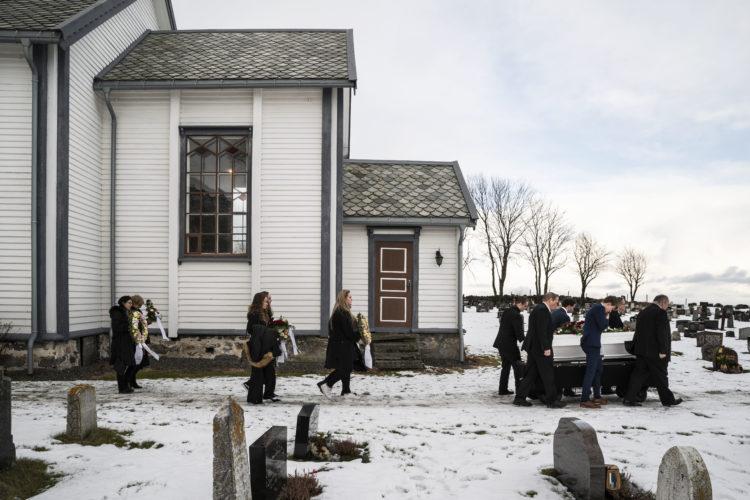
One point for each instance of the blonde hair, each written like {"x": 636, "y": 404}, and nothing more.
{"x": 137, "y": 301}
{"x": 341, "y": 305}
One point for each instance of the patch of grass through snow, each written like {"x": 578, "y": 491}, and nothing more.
{"x": 103, "y": 435}
{"x": 27, "y": 478}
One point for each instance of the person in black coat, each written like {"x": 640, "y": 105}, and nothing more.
{"x": 342, "y": 349}
{"x": 538, "y": 345}
{"x": 652, "y": 345}
{"x": 262, "y": 340}
{"x": 122, "y": 347}
{"x": 561, "y": 315}
{"x": 508, "y": 337}
{"x": 615, "y": 321}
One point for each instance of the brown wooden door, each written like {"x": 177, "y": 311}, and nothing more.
{"x": 393, "y": 284}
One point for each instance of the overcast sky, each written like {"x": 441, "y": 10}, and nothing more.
{"x": 633, "y": 117}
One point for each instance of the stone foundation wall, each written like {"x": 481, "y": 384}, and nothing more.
{"x": 201, "y": 352}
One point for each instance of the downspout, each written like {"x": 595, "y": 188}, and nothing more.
{"x": 460, "y": 267}
{"x": 34, "y": 197}
{"x": 112, "y": 192}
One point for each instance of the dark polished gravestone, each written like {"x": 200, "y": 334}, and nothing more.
{"x": 743, "y": 333}
{"x": 7, "y": 448}
{"x": 268, "y": 464}
{"x": 708, "y": 352}
{"x": 729, "y": 334}
{"x": 307, "y": 424}
{"x": 682, "y": 323}
{"x": 708, "y": 338}
{"x": 711, "y": 324}
{"x": 578, "y": 458}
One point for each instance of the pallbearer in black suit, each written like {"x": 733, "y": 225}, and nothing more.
{"x": 615, "y": 321}
{"x": 508, "y": 337}
{"x": 652, "y": 345}
{"x": 538, "y": 345}
{"x": 561, "y": 315}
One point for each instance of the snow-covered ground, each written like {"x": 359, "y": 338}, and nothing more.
{"x": 431, "y": 435}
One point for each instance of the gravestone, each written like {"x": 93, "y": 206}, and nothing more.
{"x": 711, "y": 324}
{"x": 7, "y": 448}
{"x": 81, "y": 411}
{"x": 729, "y": 334}
{"x": 578, "y": 458}
{"x": 231, "y": 467}
{"x": 708, "y": 352}
{"x": 307, "y": 424}
{"x": 483, "y": 307}
{"x": 681, "y": 328}
{"x": 268, "y": 463}
{"x": 709, "y": 338}
{"x": 717, "y": 313}
{"x": 683, "y": 476}
{"x": 682, "y": 323}
{"x": 730, "y": 321}
{"x": 676, "y": 335}
{"x": 681, "y": 311}
{"x": 743, "y": 333}
{"x": 703, "y": 310}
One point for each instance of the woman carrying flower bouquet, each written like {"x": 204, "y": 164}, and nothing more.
{"x": 139, "y": 332}
{"x": 122, "y": 347}
{"x": 342, "y": 349}
{"x": 259, "y": 316}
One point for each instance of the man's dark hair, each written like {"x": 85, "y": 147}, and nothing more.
{"x": 611, "y": 299}
{"x": 123, "y": 299}
{"x": 660, "y": 299}
{"x": 522, "y": 299}
{"x": 568, "y": 302}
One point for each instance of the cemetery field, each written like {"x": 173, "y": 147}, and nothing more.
{"x": 431, "y": 435}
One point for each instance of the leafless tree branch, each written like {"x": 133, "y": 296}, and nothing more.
{"x": 590, "y": 259}
{"x": 631, "y": 265}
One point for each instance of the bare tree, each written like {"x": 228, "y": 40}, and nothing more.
{"x": 631, "y": 265}
{"x": 590, "y": 258}
{"x": 544, "y": 241}
{"x": 509, "y": 204}
{"x": 534, "y": 238}
{"x": 480, "y": 193}
{"x": 557, "y": 235}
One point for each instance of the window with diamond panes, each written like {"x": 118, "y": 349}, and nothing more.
{"x": 216, "y": 173}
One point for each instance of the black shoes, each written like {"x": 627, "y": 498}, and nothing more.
{"x": 556, "y": 404}
{"x": 521, "y": 402}
{"x": 569, "y": 392}
{"x": 631, "y": 403}
{"x": 275, "y": 398}
{"x": 246, "y": 385}
{"x": 136, "y": 386}
{"x": 127, "y": 391}
{"x": 505, "y": 392}
{"x": 676, "y": 402}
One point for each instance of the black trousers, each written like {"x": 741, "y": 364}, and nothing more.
{"x": 343, "y": 376}
{"x": 539, "y": 365}
{"x": 122, "y": 379}
{"x": 509, "y": 362}
{"x": 260, "y": 377}
{"x": 656, "y": 369}
{"x": 132, "y": 371}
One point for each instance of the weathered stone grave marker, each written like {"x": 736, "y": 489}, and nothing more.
{"x": 726, "y": 360}
{"x": 307, "y": 424}
{"x": 268, "y": 463}
{"x": 7, "y": 448}
{"x": 578, "y": 458}
{"x": 683, "y": 476}
{"x": 743, "y": 333}
{"x": 676, "y": 335}
{"x": 81, "y": 411}
{"x": 231, "y": 466}
{"x": 709, "y": 338}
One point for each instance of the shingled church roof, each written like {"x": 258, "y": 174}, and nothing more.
{"x": 220, "y": 59}
{"x": 402, "y": 190}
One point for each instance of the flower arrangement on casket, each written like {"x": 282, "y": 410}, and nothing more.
{"x": 612, "y": 330}
{"x": 570, "y": 328}
{"x": 282, "y": 326}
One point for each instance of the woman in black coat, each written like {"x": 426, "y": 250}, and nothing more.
{"x": 122, "y": 348}
{"x": 259, "y": 316}
{"x": 342, "y": 347}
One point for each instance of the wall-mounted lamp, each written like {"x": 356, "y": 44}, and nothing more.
{"x": 438, "y": 258}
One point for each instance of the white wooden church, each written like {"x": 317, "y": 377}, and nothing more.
{"x": 199, "y": 167}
